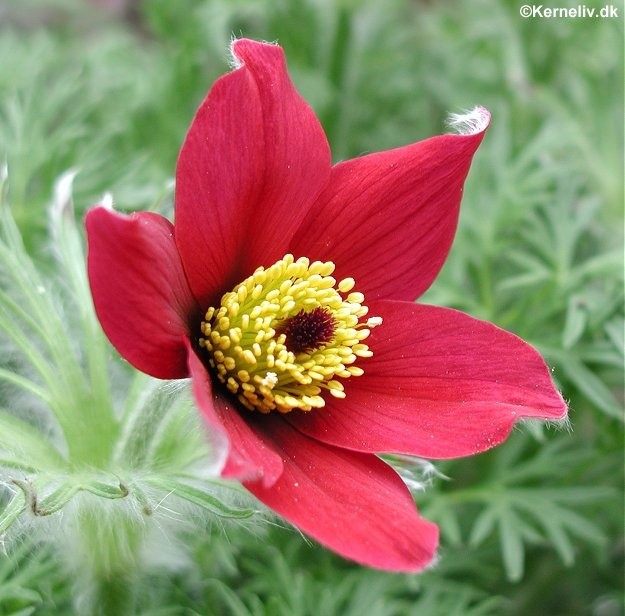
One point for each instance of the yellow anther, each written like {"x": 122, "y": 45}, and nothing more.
{"x": 356, "y": 298}
{"x": 248, "y": 356}
{"x": 355, "y": 371}
{"x": 346, "y": 285}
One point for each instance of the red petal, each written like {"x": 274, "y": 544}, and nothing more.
{"x": 254, "y": 160}
{"x": 139, "y": 289}
{"x": 350, "y": 502}
{"x": 249, "y": 457}
{"x": 388, "y": 219}
{"x": 439, "y": 385}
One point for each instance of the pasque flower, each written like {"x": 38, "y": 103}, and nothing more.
{"x": 285, "y": 289}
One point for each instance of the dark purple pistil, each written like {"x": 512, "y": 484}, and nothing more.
{"x": 308, "y": 331}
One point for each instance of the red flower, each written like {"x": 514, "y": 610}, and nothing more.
{"x": 254, "y": 183}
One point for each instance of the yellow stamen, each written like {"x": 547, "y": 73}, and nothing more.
{"x": 285, "y": 334}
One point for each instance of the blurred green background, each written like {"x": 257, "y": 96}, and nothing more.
{"x": 535, "y": 527}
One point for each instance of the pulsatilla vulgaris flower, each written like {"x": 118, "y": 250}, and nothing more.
{"x": 285, "y": 290}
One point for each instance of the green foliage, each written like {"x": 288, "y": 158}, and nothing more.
{"x": 28, "y": 577}
{"x": 535, "y": 526}
{"x": 65, "y": 446}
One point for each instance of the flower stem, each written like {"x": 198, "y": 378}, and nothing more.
{"x": 113, "y": 596}
{"x": 111, "y": 538}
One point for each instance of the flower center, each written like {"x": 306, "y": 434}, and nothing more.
{"x": 285, "y": 334}
{"x": 307, "y": 331}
